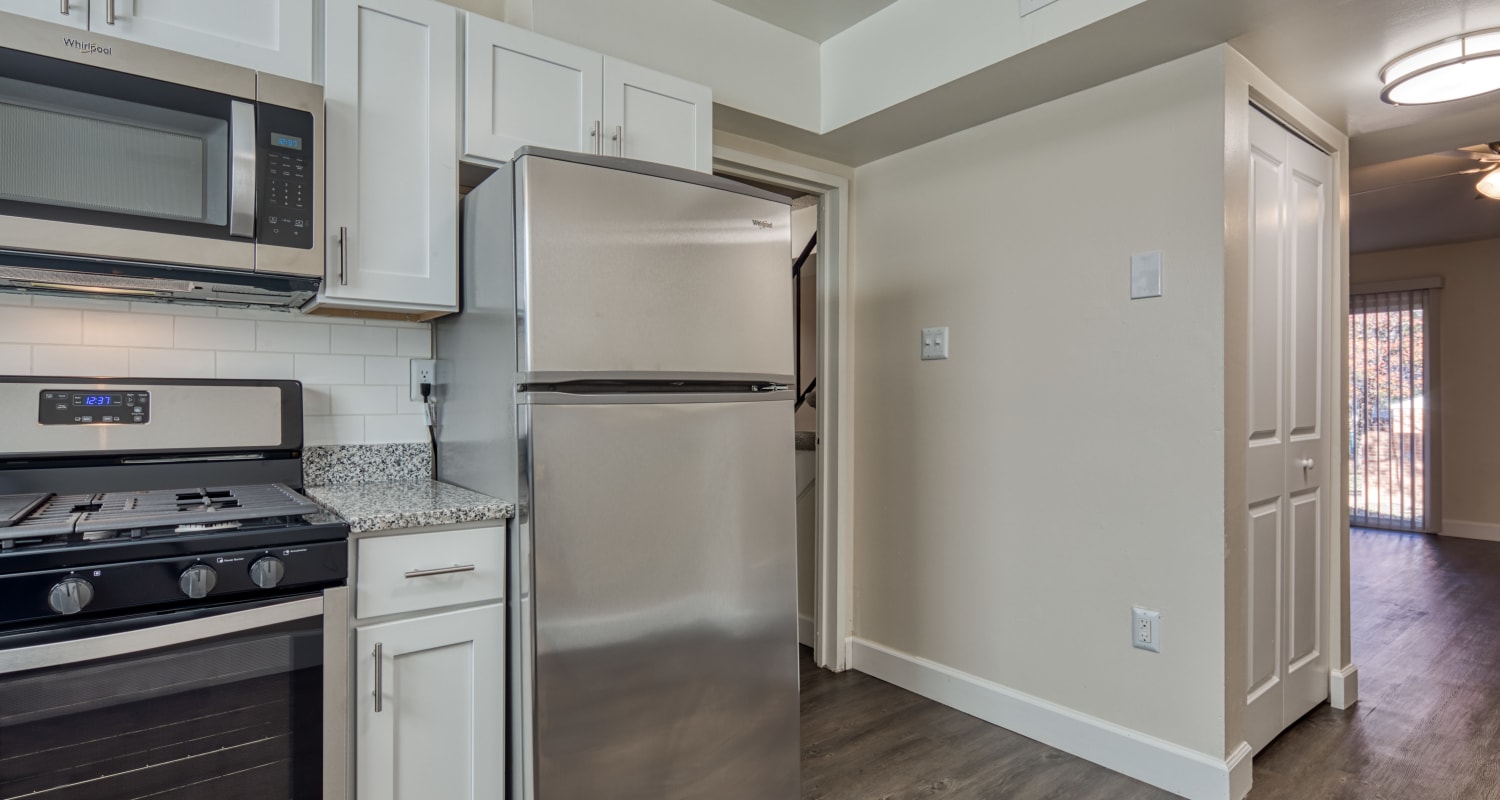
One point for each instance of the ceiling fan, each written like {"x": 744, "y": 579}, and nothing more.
{"x": 1489, "y": 156}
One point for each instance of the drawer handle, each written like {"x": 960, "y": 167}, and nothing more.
{"x": 427, "y": 573}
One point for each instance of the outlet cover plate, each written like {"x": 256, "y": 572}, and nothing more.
{"x": 1145, "y": 629}
{"x": 1145, "y": 275}
{"x": 423, "y": 370}
{"x": 934, "y": 344}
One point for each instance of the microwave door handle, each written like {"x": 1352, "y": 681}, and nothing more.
{"x": 241, "y": 169}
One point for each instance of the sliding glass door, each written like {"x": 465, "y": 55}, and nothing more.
{"x": 1392, "y": 478}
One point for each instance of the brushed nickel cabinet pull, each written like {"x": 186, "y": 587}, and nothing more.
{"x": 427, "y": 573}
{"x": 379, "y": 655}
{"x": 343, "y": 256}
{"x": 109, "y": 12}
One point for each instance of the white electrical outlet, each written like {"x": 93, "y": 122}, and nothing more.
{"x": 934, "y": 344}
{"x": 1145, "y": 629}
{"x": 423, "y": 370}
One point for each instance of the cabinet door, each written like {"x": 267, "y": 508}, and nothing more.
{"x": 439, "y": 728}
{"x": 73, "y": 13}
{"x": 522, "y": 88}
{"x": 267, "y": 35}
{"x": 655, "y": 117}
{"x": 392, "y": 181}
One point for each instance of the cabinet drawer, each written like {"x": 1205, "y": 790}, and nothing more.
{"x": 416, "y": 571}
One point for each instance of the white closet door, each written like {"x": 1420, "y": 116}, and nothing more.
{"x": 1291, "y": 224}
{"x": 522, "y": 88}
{"x": 652, "y": 116}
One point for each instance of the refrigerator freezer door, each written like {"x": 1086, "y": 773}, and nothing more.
{"x": 630, "y": 275}
{"x": 665, "y": 601}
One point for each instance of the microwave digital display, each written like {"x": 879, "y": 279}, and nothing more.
{"x": 289, "y": 142}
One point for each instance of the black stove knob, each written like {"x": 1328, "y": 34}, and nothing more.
{"x": 70, "y": 596}
{"x": 267, "y": 572}
{"x": 197, "y": 581}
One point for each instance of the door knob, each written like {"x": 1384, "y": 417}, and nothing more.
{"x": 1307, "y": 464}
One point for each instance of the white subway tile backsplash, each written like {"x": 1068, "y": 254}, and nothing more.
{"x": 15, "y": 359}
{"x": 395, "y": 428}
{"x": 31, "y": 325}
{"x": 316, "y": 401}
{"x": 291, "y": 337}
{"x": 414, "y": 342}
{"x": 215, "y": 334}
{"x": 390, "y": 371}
{"x": 157, "y": 363}
{"x": 348, "y": 400}
{"x": 85, "y": 303}
{"x": 335, "y": 430}
{"x": 364, "y": 340}
{"x": 49, "y": 359}
{"x": 329, "y": 369}
{"x": 120, "y": 329}
{"x": 256, "y": 366}
{"x": 354, "y": 374}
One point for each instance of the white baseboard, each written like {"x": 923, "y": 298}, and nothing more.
{"x": 1160, "y": 763}
{"x": 1343, "y": 687}
{"x": 805, "y": 630}
{"x": 1487, "y": 531}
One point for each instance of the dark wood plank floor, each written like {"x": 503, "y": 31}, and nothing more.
{"x": 1426, "y": 631}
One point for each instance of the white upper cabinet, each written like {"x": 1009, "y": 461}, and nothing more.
{"x": 391, "y": 91}
{"x": 73, "y": 13}
{"x": 522, "y": 88}
{"x": 655, "y": 117}
{"x": 268, "y": 35}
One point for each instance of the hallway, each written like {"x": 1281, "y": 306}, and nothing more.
{"x": 1425, "y": 611}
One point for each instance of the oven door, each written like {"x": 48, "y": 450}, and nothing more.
{"x": 227, "y": 703}
{"x": 107, "y": 164}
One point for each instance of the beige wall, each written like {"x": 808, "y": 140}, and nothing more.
{"x": 1012, "y": 503}
{"x": 1469, "y": 338}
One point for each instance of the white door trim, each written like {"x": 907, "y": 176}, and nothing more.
{"x": 833, "y": 575}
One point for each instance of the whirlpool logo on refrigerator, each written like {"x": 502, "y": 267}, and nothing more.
{"x": 760, "y": 223}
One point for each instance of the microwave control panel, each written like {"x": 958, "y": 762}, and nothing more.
{"x": 93, "y": 407}
{"x": 285, "y": 196}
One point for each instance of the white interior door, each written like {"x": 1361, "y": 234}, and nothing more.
{"x": 1291, "y": 228}
{"x": 522, "y": 88}
{"x": 268, "y": 35}
{"x": 653, "y": 116}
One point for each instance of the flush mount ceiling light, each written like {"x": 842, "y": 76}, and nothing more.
{"x": 1463, "y": 66}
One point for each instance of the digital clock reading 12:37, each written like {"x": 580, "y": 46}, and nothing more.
{"x": 97, "y": 400}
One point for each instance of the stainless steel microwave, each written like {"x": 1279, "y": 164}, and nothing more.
{"x": 134, "y": 171}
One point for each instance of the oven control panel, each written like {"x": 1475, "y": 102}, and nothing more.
{"x": 93, "y": 407}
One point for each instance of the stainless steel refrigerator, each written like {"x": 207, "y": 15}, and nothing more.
{"x": 621, "y": 368}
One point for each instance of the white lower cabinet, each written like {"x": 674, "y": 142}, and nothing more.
{"x": 429, "y": 664}
{"x": 430, "y": 707}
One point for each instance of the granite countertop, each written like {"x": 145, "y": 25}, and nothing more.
{"x": 413, "y": 503}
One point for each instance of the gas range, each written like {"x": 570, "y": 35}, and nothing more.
{"x": 109, "y": 518}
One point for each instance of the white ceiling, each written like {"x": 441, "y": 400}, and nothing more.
{"x": 818, "y": 20}
{"x": 1417, "y": 202}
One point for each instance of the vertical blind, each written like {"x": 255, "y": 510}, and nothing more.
{"x": 1389, "y": 416}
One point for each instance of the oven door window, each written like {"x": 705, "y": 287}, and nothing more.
{"x": 238, "y": 715}
{"x": 98, "y": 147}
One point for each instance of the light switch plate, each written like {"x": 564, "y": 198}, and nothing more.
{"x": 1145, "y": 275}
{"x": 934, "y": 344}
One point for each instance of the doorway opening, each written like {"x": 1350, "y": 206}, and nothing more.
{"x": 1392, "y": 479}
{"x": 817, "y": 274}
